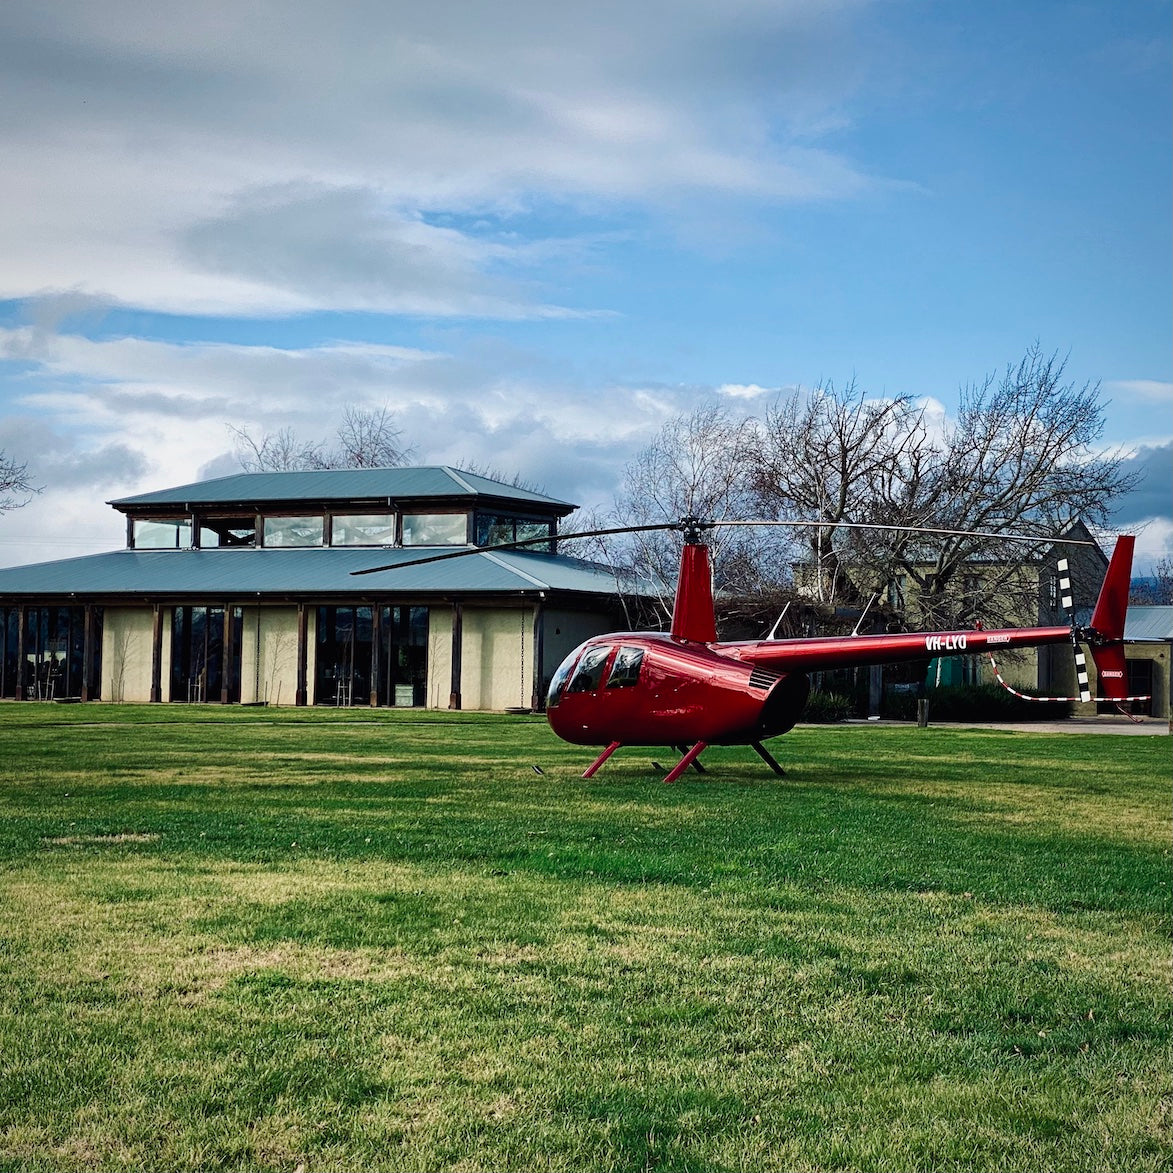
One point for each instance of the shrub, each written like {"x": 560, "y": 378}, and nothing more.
{"x": 825, "y": 708}
{"x": 974, "y": 702}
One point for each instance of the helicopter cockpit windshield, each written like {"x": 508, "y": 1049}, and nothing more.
{"x": 586, "y": 674}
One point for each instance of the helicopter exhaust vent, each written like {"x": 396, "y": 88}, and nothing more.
{"x": 763, "y": 678}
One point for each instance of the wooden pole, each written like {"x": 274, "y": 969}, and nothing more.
{"x": 157, "y": 656}
{"x": 457, "y": 649}
{"x": 301, "y": 696}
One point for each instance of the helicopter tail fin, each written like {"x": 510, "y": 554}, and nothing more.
{"x": 1107, "y": 625}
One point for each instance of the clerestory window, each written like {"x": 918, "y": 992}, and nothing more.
{"x": 162, "y": 533}
{"x": 362, "y": 529}
{"x": 294, "y": 531}
{"x": 435, "y": 529}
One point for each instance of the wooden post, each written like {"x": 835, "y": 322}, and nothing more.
{"x": 457, "y": 649}
{"x": 539, "y": 699}
{"x": 301, "y": 696}
{"x": 157, "y": 656}
{"x": 376, "y": 640}
{"x": 87, "y": 651}
{"x": 21, "y": 620}
{"x": 226, "y": 654}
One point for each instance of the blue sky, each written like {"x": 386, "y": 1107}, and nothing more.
{"x": 537, "y": 231}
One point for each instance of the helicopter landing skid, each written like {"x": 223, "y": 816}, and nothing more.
{"x": 682, "y": 748}
{"x": 689, "y": 759}
{"x": 589, "y": 772}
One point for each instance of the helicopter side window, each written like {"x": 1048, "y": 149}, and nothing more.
{"x": 625, "y": 670}
{"x": 590, "y": 670}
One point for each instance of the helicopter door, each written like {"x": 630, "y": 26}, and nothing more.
{"x": 589, "y": 673}
{"x": 625, "y": 670}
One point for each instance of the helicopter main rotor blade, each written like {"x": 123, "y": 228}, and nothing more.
{"x": 521, "y": 544}
{"x": 692, "y": 526}
{"x": 910, "y": 529}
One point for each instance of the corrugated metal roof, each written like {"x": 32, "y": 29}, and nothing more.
{"x": 1146, "y": 624}
{"x": 338, "y": 484}
{"x": 227, "y": 573}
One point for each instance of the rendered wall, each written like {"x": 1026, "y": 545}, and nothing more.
{"x": 439, "y": 657}
{"x": 268, "y": 655}
{"x": 127, "y": 644}
{"x": 564, "y": 631}
{"x": 497, "y": 660}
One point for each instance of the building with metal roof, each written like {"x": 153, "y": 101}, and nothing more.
{"x": 1148, "y": 638}
{"x": 247, "y": 589}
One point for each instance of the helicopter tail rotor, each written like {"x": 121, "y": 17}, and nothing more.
{"x": 1067, "y": 602}
{"x": 1104, "y": 635}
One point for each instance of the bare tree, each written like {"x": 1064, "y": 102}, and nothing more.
{"x": 695, "y": 467}
{"x": 1157, "y": 588}
{"x": 1019, "y": 458}
{"x": 366, "y": 438}
{"x": 15, "y": 483}
{"x": 491, "y": 472}
{"x": 825, "y": 456}
{"x": 279, "y": 451}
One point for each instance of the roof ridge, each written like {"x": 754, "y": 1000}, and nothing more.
{"x": 496, "y": 560}
{"x": 457, "y": 476}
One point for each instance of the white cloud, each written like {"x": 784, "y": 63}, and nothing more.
{"x": 1154, "y": 539}
{"x": 273, "y": 158}
{"x": 1140, "y": 390}
{"x": 744, "y": 390}
{"x": 126, "y": 415}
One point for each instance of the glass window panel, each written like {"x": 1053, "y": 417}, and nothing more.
{"x": 294, "y": 531}
{"x": 435, "y": 529}
{"x": 625, "y": 670}
{"x": 495, "y": 528}
{"x": 492, "y": 529}
{"x": 228, "y": 531}
{"x": 162, "y": 535}
{"x": 363, "y": 529}
{"x": 590, "y": 670}
{"x": 535, "y": 529}
{"x": 558, "y": 684}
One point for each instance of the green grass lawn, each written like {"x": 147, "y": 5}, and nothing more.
{"x": 244, "y": 939}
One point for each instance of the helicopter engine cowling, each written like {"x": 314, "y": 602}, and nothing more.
{"x": 784, "y": 705}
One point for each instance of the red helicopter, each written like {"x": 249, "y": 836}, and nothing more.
{"x": 683, "y": 688}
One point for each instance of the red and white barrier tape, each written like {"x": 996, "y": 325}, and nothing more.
{"x": 1106, "y": 700}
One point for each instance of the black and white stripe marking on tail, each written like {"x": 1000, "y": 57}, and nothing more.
{"x": 1085, "y": 692}
{"x": 1065, "y": 586}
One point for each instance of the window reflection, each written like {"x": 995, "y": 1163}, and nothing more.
{"x": 294, "y": 531}
{"x": 164, "y": 534}
{"x": 493, "y": 529}
{"x": 625, "y": 670}
{"x": 435, "y": 529}
{"x": 363, "y": 529}
{"x": 558, "y": 683}
{"x": 590, "y": 670}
